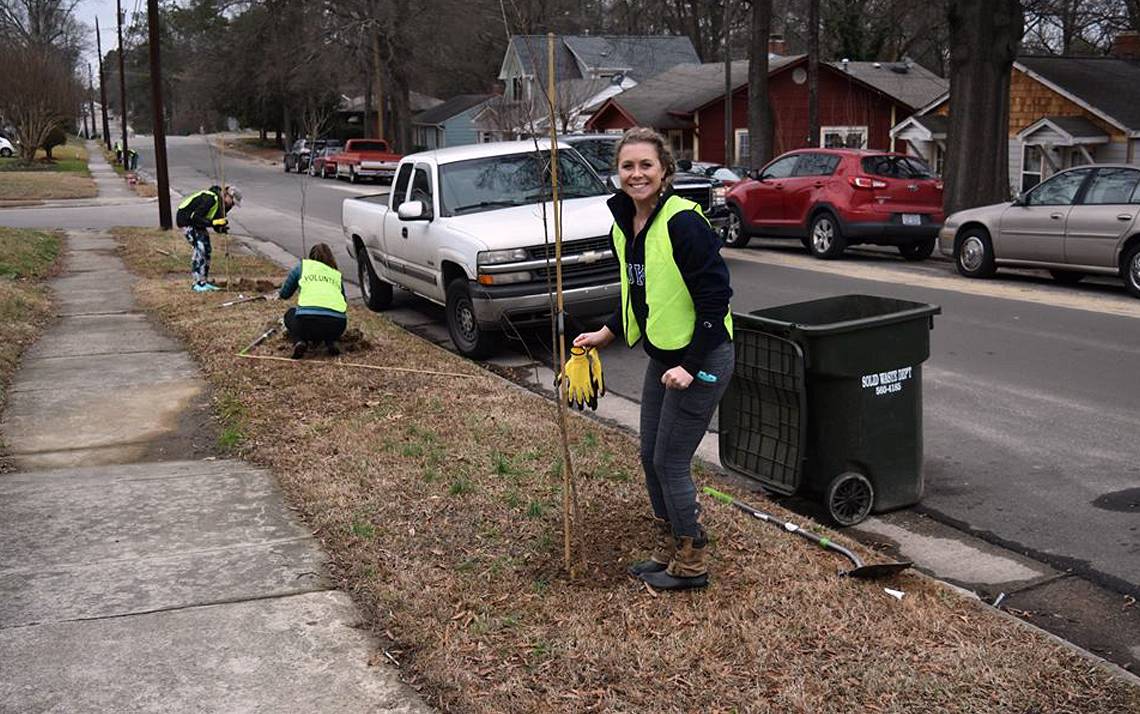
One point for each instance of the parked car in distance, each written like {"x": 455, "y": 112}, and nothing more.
{"x": 1080, "y": 221}
{"x": 833, "y": 198}
{"x": 464, "y": 227}
{"x": 366, "y": 159}
{"x": 6, "y": 148}
{"x": 728, "y": 176}
{"x": 319, "y": 164}
{"x": 599, "y": 152}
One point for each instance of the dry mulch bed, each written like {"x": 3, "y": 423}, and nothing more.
{"x": 45, "y": 185}
{"x": 437, "y": 499}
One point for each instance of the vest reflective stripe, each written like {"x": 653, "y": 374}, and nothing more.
{"x": 192, "y": 197}
{"x": 670, "y": 323}
{"x": 320, "y": 287}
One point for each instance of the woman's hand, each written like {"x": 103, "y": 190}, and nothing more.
{"x": 677, "y": 378}
{"x": 597, "y": 338}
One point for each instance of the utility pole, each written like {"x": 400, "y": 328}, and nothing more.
{"x": 102, "y": 88}
{"x": 728, "y": 137}
{"x": 164, "y": 219}
{"x": 91, "y": 100}
{"x": 122, "y": 78}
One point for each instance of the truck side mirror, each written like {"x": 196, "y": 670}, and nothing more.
{"x": 414, "y": 211}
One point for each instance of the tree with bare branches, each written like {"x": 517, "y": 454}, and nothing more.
{"x": 40, "y": 95}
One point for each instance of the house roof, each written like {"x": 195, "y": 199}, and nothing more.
{"x": 452, "y": 107}
{"x": 1106, "y": 85}
{"x": 930, "y": 127}
{"x": 909, "y": 83}
{"x": 1077, "y": 130}
{"x": 637, "y": 56}
{"x": 667, "y": 100}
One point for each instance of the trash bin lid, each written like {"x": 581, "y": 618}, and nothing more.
{"x": 833, "y": 315}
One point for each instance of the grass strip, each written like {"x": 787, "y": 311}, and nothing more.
{"x": 27, "y": 258}
{"x": 437, "y": 502}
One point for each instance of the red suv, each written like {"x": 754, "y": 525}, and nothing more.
{"x": 833, "y": 198}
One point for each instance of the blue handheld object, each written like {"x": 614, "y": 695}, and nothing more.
{"x": 706, "y": 377}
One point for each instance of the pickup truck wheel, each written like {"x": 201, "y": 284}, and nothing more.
{"x": 352, "y": 177}
{"x": 377, "y": 294}
{"x": 734, "y": 235}
{"x": 470, "y": 339}
{"x": 286, "y": 162}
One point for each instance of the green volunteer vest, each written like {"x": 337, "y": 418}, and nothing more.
{"x": 320, "y": 287}
{"x": 190, "y": 199}
{"x": 669, "y": 325}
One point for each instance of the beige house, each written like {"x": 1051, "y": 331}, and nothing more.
{"x": 1063, "y": 112}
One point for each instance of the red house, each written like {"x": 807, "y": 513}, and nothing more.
{"x": 859, "y": 102}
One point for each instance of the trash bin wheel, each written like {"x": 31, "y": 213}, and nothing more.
{"x": 849, "y": 498}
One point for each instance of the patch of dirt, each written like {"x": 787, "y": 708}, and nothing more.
{"x": 436, "y": 490}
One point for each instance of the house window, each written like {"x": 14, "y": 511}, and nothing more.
{"x": 676, "y": 141}
{"x": 843, "y": 137}
{"x": 516, "y": 92}
{"x": 1030, "y": 167}
{"x": 743, "y": 150}
{"x": 939, "y": 159}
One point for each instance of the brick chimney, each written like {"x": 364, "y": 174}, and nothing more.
{"x": 777, "y": 45}
{"x": 1126, "y": 45}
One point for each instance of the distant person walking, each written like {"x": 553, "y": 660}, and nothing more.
{"x": 197, "y": 213}
{"x": 321, "y": 312}
{"x": 674, "y": 299}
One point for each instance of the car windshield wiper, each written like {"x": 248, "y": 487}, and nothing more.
{"x": 486, "y": 204}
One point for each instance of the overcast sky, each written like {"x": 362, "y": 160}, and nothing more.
{"x": 87, "y": 10}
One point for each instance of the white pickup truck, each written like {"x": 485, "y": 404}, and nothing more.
{"x": 463, "y": 227}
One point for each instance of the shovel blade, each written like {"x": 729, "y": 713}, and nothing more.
{"x": 877, "y": 570}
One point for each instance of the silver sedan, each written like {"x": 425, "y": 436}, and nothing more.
{"x": 1084, "y": 220}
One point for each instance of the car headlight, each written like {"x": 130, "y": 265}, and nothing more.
{"x": 495, "y": 257}
{"x": 718, "y": 193}
{"x": 522, "y": 276}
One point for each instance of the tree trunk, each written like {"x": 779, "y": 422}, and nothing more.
{"x": 984, "y": 38}
{"x": 813, "y": 73}
{"x": 759, "y": 107}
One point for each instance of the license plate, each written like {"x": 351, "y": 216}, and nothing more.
{"x": 911, "y": 219}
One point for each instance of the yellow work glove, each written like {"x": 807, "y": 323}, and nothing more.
{"x": 221, "y": 225}
{"x": 579, "y": 385}
{"x": 596, "y": 374}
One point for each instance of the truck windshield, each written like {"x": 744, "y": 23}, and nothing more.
{"x": 359, "y": 145}
{"x": 599, "y": 153}
{"x": 513, "y": 180}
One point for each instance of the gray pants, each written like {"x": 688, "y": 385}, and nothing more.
{"x": 673, "y": 421}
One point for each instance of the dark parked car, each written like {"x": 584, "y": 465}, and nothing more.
{"x": 297, "y": 158}
{"x": 833, "y": 198}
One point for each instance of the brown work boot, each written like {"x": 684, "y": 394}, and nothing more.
{"x": 686, "y": 570}
{"x": 662, "y": 550}
{"x": 299, "y": 350}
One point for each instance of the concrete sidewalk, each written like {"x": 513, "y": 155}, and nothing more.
{"x": 137, "y": 573}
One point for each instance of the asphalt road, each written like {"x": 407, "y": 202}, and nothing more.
{"x": 1031, "y": 423}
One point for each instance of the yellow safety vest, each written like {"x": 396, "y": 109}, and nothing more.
{"x": 320, "y": 287}
{"x": 190, "y": 199}
{"x": 671, "y": 319}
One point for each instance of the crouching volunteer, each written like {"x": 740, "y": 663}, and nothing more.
{"x": 197, "y": 213}
{"x": 320, "y": 315}
{"x": 675, "y": 298}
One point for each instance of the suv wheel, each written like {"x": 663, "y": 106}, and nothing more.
{"x": 286, "y": 162}
{"x": 974, "y": 255}
{"x": 377, "y": 294}
{"x": 5, "y": 152}
{"x": 470, "y": 339}
{"x": 1130, "y": 270}
{"x": 917, "y": 251}
{"x": 734, "y": 235}
{"x": 825, "y": 237}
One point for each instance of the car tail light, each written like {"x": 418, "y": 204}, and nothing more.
{"x": 867, "y": 182}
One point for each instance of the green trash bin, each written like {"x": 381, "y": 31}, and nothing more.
{"x": 826, "y": 400}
